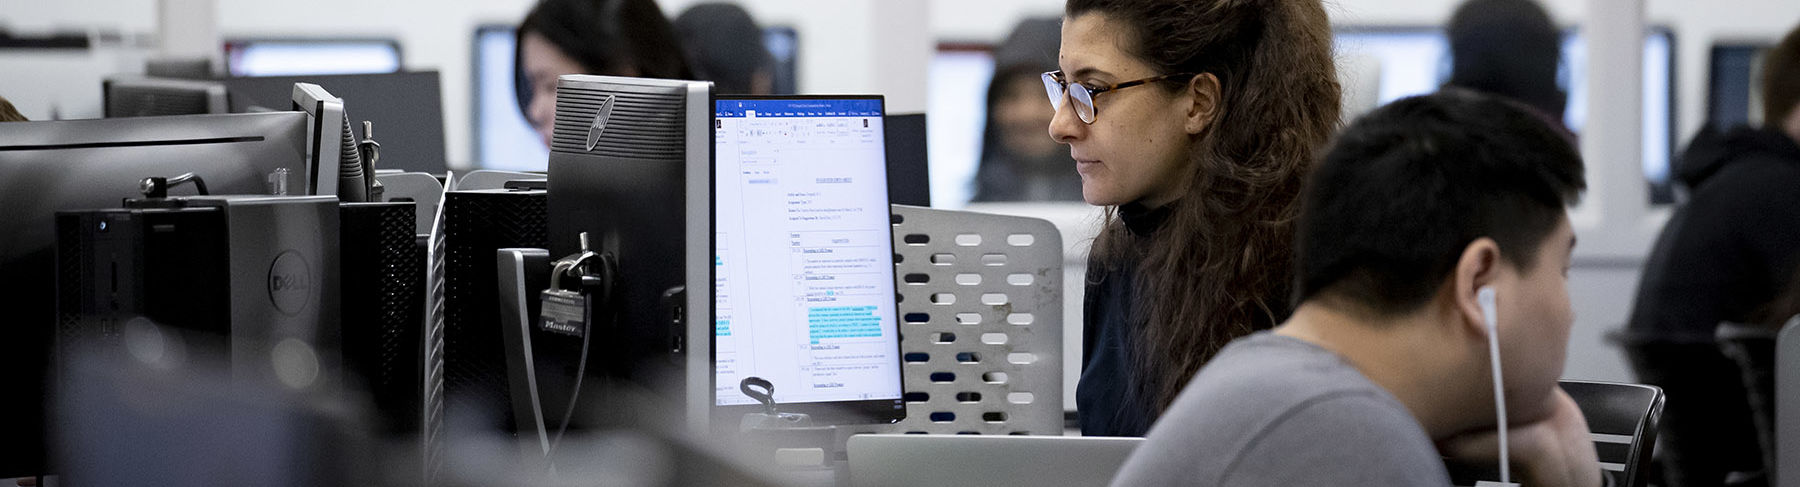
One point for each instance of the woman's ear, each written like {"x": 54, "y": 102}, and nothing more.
{"x": 1478, "y": 267}
{"x": 1207, "y": 98}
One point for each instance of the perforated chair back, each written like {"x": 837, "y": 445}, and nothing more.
{"x": 981, "y": 324}
{"x": 1623, "y": 419}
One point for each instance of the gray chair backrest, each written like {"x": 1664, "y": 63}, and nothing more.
{"x": 1623, "y": 419}
{"x": 981, "y": 324}
{"x": 1787, "y": 404}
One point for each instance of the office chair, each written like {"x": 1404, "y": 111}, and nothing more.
{"x": 1624, "y": 419}
{"x": 1787, "y": 404}
{"x": 1708, "y": 432}
{"x": 1752, "y": 347}
{"x": 981, "y": 324}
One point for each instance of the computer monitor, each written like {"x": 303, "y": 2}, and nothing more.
{"x": 908, "y": 159}
{"x": 147, "y": 97}
{"x": 291, "y": 57}
{"x": 804, "y": 293}
{"x": 1658, "y": 109}
{"x": 505, "y": 140}
{"x": 957, "y": 102}
{"x": 1409, "y": 60}
{"x": 1415, "y": 61}
{"x": 783, "y": 43}
{"x": 1732, "y": 96}
{"x": 406, "y": 108}
{"x": 630, "y": 166}
{"x": 325, "y": 123}
{"x": 81, "y": 164}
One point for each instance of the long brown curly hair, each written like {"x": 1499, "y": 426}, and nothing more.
{"x": 1219, "y": 267}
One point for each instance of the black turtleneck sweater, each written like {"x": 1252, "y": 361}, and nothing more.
{"x": 1109, "y": 318}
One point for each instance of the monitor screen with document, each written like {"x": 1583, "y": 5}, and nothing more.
{"x": 804, "y": 292}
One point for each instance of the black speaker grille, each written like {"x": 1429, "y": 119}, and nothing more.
{"x": 646, "y": 126}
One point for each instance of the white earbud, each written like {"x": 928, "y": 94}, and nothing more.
{"x": 1485, "y": 298}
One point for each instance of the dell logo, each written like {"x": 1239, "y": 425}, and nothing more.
{"x": 599, "y": 125}
{"x": 290, "y": 283}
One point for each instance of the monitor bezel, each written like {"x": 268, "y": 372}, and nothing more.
{"x": 875, "y": 411}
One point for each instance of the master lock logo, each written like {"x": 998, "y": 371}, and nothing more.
{"x": 599, "y": 125}
{"x": 290, "y": 283}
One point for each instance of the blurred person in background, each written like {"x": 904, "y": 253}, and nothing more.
{"x": 1724, "y": 254}
{"x": 1508, "y": 48}
{"x": 1018, "y": 163}
{"x": 727, "y": 48}
{"x": 605, "y": 37}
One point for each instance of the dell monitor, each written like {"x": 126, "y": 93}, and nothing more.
{"x": 804, "y": 290}
{"x": 47, "y": 167}
{"x": 630, "y": 163}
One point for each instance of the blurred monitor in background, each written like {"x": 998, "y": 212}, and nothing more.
{"x": 958, "y": 79}
{"x": 1417, "y": 60}
{"x": 406, "y": 109}
{"x": 783, "y": 43}
{"x": 1732, "y": 95}
{"x": 1019, "y": 159}
{"x": 727, "y": 48}
{"x": 504, "y": 140}
{"x": 290, "y": 57}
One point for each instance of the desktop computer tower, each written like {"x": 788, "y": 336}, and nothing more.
{"x": 243, "y": 285}
{"x": 477, "y": 223}
{"x": 383, "y": 310}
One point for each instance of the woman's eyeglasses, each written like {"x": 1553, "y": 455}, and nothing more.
{"x": 1059, "y": 88}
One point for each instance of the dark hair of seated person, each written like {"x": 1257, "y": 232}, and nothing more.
{"x": 615, "y": 37}
{"x": 1410, "y": 185}
{"x": 727, "y": 48}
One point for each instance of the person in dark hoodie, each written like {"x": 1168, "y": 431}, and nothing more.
{"x": 1509, "y": 48}
{"x": 1727, "y": 250}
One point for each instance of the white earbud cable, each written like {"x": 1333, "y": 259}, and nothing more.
{"x": 1486, "y": 297}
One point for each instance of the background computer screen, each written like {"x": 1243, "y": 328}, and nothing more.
{"x": 505, "y": 141}
{"x": 803, "y": 257}
{"x": 406, "y": 110}
{"x": 957, "y": 102}
{"x": 1731, "y": 90}
{"x": 288, "y": 57}
{"x": 1415, "y": 61}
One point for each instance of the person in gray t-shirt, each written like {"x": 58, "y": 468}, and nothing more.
{"x": 1426, "y": 220}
